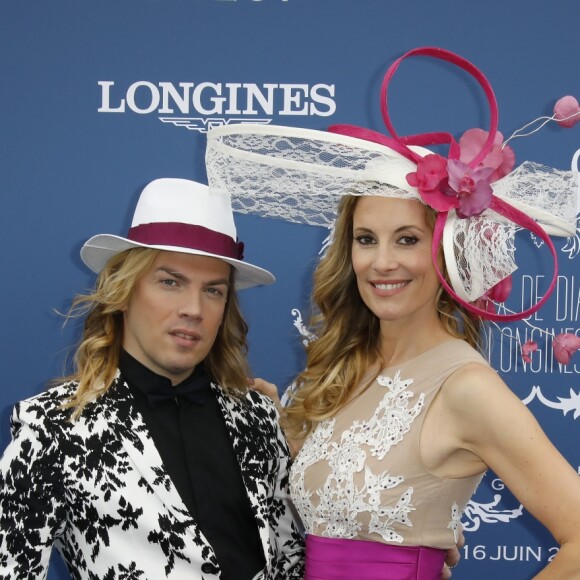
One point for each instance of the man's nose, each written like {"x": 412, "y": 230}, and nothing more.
{"x": 191, "y": 304}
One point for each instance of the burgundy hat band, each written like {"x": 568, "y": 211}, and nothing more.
{"x": 188, "y": 236}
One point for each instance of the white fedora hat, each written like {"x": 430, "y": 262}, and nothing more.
{"x": 179, "y": 215}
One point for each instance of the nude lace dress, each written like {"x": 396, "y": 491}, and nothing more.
{"x": 359, "y": 475}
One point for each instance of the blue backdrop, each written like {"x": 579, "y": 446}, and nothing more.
{"x": 91, "y": 98}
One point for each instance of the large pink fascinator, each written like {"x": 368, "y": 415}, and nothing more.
{"x": 299, "y": 175}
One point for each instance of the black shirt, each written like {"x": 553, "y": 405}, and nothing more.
{"x": 187, "y": 426}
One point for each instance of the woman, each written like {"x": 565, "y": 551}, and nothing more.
{"x": 397, "y": 436}
{"x": 397, "y": 416}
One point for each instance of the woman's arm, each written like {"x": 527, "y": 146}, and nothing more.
{"x": 491, "y": 423}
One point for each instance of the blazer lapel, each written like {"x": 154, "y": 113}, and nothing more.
{"x": 247, "y": 451}
{"x": 132, "y": 430}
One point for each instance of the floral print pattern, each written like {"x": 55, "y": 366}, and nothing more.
{"x": 97, "y": 490}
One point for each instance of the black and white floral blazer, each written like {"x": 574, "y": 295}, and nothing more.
{"x": 97, "y": 490}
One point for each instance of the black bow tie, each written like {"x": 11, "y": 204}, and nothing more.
{"x": 196, "y": 389}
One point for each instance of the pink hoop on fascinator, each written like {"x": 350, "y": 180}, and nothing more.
{"x": 442, "y": 198}
{"x": 299, "y": 175}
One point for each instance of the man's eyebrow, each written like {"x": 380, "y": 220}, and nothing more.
{"x": 217, "y": 282}
{"x": 182, "y": 277}
{"x": 170, "y": 272}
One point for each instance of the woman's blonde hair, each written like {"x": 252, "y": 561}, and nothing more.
{"x": 96, "y": 359}
{"x": 347, "y": 342}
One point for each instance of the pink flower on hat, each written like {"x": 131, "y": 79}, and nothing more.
{"x": 565, "y": 345}
{"x": 501, "y": 160}
{"x": 498, "y": 293}
{"x": 568, "y": 110}
{"x": 431, "y": 181}
{"x": 527, "y": 349}
{"x": 501, "y": 291}
{"x": 471, "y": 187}
{"x": 453, "y": 184}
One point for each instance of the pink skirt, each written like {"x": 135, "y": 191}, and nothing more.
{"x": 333, "y": 559}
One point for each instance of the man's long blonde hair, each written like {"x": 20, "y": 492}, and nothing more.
{"x": 96, "y": 359}
{"x": 347, "y": 342}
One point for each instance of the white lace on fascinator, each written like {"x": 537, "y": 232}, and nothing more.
{"x": 299, "y": 175}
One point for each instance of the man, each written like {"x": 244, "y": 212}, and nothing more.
{"x": 154, "y": 460}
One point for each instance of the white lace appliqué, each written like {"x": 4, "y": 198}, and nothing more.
{"x": 340, "y": 502}
{"x": 455, "y": 520}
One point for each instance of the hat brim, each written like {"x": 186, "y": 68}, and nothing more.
{"x": 97, "y": 251}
